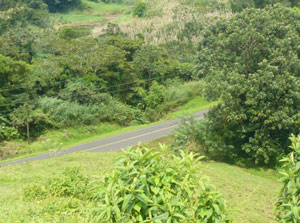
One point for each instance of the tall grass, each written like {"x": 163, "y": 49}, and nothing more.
{"x": 180, "y": 94}
{"x": 167, "y": 19}
{"x": 65, "y": 113}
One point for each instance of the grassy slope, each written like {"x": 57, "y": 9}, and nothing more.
{"x": 249, "y": 193}
{"x": 92, "y": 13}
{"x": 64, "y": 138}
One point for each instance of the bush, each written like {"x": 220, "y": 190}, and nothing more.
{"x": 64, "y": 198}
{"x": 38, "y": 121}
{"x": 197, "y": 135}
{"x": 150, "y": 186}
{"x": 65, "y": 113}
{"x": 69, "y": 33}
{"x": 153, "y": 97}
{"x": 190, "y": 131}
{"x": 81, "y": 92}
{"x": 71, "y": 184}
{"x": 288, "y": 206}
{"x": 139, "y": 9}
{"x": 7, "y": 132}
{"x": 177, "y": 95}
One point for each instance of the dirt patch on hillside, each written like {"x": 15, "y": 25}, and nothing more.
{"x": 112, "y": 16}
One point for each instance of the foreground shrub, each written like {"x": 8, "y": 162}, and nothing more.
{"x": 150, "y": 186}
{"x": 288, "y": 206}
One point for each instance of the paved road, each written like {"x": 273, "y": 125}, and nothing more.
{"x": 113, "y": 143}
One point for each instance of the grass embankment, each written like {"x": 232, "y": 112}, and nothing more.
{"x": 92, "y": 12}
{"x": 64, "y": 138}
{"x": 249, "y": 193}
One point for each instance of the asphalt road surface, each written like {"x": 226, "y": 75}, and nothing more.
{"x": 113, "y": 143}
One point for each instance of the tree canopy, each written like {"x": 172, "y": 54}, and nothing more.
{"x": 252, "y": 62}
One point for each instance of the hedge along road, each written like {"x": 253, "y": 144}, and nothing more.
{"x": 113, "y": 143}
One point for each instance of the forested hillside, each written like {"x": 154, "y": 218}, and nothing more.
{"x": 56, "y": 76}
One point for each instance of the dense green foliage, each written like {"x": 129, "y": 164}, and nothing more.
{"x": 62, "y": 5}
{"x": 72, "y": 183}
{"x": 70, "y": 78}
{"x": 252, "y": 62}
{"x": 157, "y": 187}
{"x": 189, "y": 133}
{"x": 21, "y": 15}
{"x": 239, "y": 5}
{"x": 139, "y": 9}
{"x": 288, "y": 205}
{"x": 63, "y": 198}
{"x": 145, "y": 185}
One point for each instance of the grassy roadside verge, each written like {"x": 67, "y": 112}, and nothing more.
{"x": 61, "y": 139}
{"x": 250, "y": 193}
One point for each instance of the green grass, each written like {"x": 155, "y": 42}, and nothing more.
{"x": 193, "y": 106}
{"x": 250, "y": 193}
{"x": 64, "y": 138}
{"x": 92, "y": 13}
{"x": 122, "y": 18}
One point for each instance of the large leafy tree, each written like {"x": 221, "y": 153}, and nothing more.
{"x": 252, "y": 62}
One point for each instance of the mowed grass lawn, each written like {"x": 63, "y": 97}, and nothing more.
{"x": 250, "y": 194}
{"x": 92, "y": 12}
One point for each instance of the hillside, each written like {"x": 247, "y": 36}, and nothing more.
{"x": 249, "y": 193}
{"x": 75, "y": 71}
{"x": 164, "y": 21}
{"x": 79, "y": 68}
